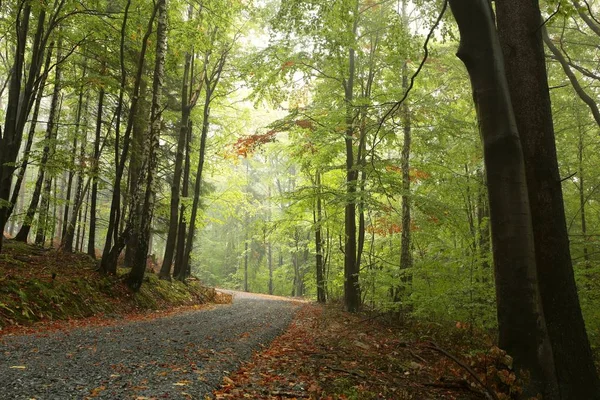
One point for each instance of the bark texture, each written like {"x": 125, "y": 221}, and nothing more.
{"x": 523, "y": 48}
{"x": 521, "y": 324}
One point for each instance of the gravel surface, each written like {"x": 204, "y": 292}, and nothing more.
{"x": 183, "y": 356}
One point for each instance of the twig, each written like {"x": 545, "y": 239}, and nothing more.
{"x": 418, "y": 357}
{"x": 285, "y": 394}
{"x": 568, "y": 177}
{"x": 490, "y": 394}
{"x": 358, "y": 374}
{"x": 397, "y": 105}
{"x": 549, "y": 18}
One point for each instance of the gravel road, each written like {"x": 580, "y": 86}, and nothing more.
{"x": 183, "y": 356}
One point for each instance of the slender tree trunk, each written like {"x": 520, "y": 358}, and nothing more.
{"x": 182, "y": 209}
{"x": 582, "y": 199}
{"x": 30, "y": 136}
{"x": 53, "y": 120}
{"x": 91, "y": 246}
{"x": 318, "y": 221}
{"x": 47, "y": 155}
{"x": 74, "y": 149}
{"x": 405, "y": 252}
{"x": 165, "y": 270}
{"x": 111, "y": 253}
{"x": 69, "y": 234}
{"x": 211, "y": 81}
{"x": 136, "y": 276}
{"x": 351, "y": 282}
{"x": 521, "y": 325}
{"x": 521, "y": 37}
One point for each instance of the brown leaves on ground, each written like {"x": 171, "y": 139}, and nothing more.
{"x": 330, "y": 354}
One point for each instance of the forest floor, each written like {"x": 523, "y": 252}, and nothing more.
{"x": 330, "y": 354}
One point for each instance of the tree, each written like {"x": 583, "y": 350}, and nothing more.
{"x": 136, "y": 276}
{"x": 521, "y": 324}
{"x": 523, "y": 48}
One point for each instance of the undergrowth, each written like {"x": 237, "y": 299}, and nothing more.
{"x": 45, "y": 284}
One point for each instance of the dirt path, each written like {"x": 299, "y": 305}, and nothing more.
{"x": 177, "y": 357}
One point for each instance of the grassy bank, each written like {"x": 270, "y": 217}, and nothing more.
{"x": 45, "y": 284}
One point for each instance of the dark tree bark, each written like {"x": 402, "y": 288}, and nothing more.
{"x": 74, "y": 148}
{"x": 140, "y": 127}
{"x": 69, "y": 234}
{"x": 182, "y": 228}
{"x": 30, "y": 136}
{"x": 52, "y": 135}
{"x": 136, "y": 275}
{"x": 351, "y": 267}
{"x": 211, "y": 80}
{"x": 91, "y": 245}
{"x": 11, "y": 136}
{"x": 521, "y": 325}
{"x": 318, "y": 221}
{"x": 521, "y": 39}
{"x": 108, "y": 264}
{"x": 42, "y": 178}
{"x": 165, "y": 270}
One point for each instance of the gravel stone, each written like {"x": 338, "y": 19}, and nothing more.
{"x": 183, "y": 356}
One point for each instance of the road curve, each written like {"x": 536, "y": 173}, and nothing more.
{"x": 182, "y": 356}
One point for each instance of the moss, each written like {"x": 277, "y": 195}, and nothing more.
{"x": 54, "y": 285}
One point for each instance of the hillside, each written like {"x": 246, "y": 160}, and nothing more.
{"x": 49, "y": 285}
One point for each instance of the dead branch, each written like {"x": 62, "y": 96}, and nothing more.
{"x": 490, "y": 394}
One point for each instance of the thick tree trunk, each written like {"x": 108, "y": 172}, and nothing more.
{"x": 522, "y": 329}
{"x": 520, "y": 36}
{"x": 10, "y": 137}
{"x": 138, "y": 132}
{"x": 30, "y": 137}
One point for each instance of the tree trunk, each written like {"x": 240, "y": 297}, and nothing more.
{"x": 165, "y": 270}
{"x": 30, "y": 137}
{"x": 109, "y": 259}
{"x": 520, "y": 36}
{"x": 136, "y": 276}
{"x": 405, "y": 252}
{"x": 211, "y": 80}
{"x": 69, "y": 235}
{"x": 91, "y": 246}
{"x": 10, "y": 138}
{"x": 521, "y": 325}
{"x": 351, "y": 268}
{"x": 182, "y": 209}
{"x": 74, "y": 149}
{"x": 318, "y": 220}
{"x": 140, "y": 127}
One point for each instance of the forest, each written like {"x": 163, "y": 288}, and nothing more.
{"x": 430, "y": 159}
